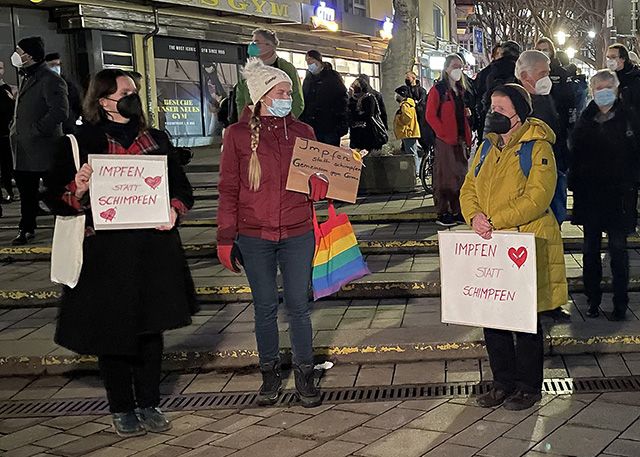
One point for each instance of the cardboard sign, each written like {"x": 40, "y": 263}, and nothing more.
{"x": 339, "y": 165}
{"x": 489, "y": 283}
{"x": 129, "y": 191}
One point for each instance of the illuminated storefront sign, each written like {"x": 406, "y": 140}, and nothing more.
{"x": 273, "y": 9}
{"x": 325, "y": 18}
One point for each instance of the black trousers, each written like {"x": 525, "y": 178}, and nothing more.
{"x": 133, "y": 381}
{"x": 6, "y": 165}
{"x": 592, "y": 266}
{"x": 516, "y": 359}
{"x": 28, "y": 183}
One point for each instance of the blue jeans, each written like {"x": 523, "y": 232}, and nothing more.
{"x": 411, "y": 147}
{"x": 261, "y": 260}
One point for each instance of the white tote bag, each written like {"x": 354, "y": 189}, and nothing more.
{"x": 68, "y": 236}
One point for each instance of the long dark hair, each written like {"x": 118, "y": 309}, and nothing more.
{"x": 104, "y": 84}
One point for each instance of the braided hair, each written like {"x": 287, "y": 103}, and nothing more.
{"x": 255, "y": 171}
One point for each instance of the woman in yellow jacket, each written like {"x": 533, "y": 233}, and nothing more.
{"x": 405, "y": 124}
{"x": 496, "y": 195}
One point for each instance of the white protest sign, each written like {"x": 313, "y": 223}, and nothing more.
{"x": 129, "y": 191}
{"x": 489, "y": 283}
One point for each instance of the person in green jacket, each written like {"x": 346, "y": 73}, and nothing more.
{"x": 264, "y": 45}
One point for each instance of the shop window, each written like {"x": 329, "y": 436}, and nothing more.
{"x": 286, "y": 55}
{"x": 356, "y": 7}
{"x": 341, "y": 66}
{"x": 367, "y": 68}
{"x": 178, "y": 86}
{"x": 299, "y": 60}
{"x": 116, "y": 51}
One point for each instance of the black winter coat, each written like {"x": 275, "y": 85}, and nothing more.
{"x": 629, "y": 90}
{"x": 7, "y": 105}
{"x": 544, "y": 108}
{"x": 43, "y": 106}
{"x": 361, "y": 114}
{"x": 604, "y": 163}
{"x": 325, "y": 102}
{"x": 564, "y": 97}
{"x": 501, "y": 71}
{"x": 75, "y": 106}
{"x": 132, "y": 281}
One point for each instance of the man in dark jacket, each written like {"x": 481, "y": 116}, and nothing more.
{"x": 75, "y": 97}
{"x": 501, "y": 71}
{"x": 325, "y": 101}
{"x": 419, "y": 95}
{"x": 562, "y": 92}
{"x": 628, "y": 74}
{"x": 7, "y": 104}
{"x": 378, "y": 96}
{"x": 480, "y": 87}
{"x": 533, "y": 70}
{"x": 42, "y": 107}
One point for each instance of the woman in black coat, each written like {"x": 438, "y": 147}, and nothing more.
{"x": 366, "y": 128}
{"x": 603, "y": 174}
{"x": 134, "y": 284}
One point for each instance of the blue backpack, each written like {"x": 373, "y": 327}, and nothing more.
{"x": 559, "y": 202}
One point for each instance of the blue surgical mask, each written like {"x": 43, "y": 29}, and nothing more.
{"x": 253, "y": 50}
{"x": 280, "y": 107}
{"x": 313, "y": 68}
{"x": 604, "y": 97}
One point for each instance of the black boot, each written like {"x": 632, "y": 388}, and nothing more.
{"x": 593, "y": 310}
{"x": 271, "y": 384}
{"x": 308, "y": 393}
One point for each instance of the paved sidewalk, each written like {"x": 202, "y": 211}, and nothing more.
{"x": 586, "y": 425}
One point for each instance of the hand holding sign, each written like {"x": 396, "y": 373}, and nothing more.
{"x": 341, "y": 166}
{"x": 82, "y": 180}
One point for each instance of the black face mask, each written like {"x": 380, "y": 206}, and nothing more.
{"x": 407, "y": 82}
{"x": 498, "y": 123}
{"x": 130, "y": 106}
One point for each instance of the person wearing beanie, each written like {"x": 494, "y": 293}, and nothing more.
{"x": 75, "y": 97}
{"x": 263, "y": 226}
{"x": 264, "y": 44}
{"x": 42, "y": 107}
{"x": 497, "y": 195}
{"x": 406, "y": 125}
{"x": 325, "y": 101}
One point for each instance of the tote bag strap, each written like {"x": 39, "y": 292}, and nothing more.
{"x": 316, "y": 227}
{"x": 75, "y": 149}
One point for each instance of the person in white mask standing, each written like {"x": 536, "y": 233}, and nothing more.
{"x": 449, "y": 118}
{"x": 533, "y": 71}
{"x": 628, "y": 74}
{"x": 75, "y": 94}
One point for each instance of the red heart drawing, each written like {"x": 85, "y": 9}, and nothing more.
{"x": 518, "y": 256}
{"x": 153, "y": 182}
{"x": 108, "y": 215}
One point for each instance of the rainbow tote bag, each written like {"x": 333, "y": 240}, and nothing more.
{"x": 337, "y": 260}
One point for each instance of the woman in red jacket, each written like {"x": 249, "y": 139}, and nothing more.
{"x": 449, "y": 118}
{"x": 261, "y": 225}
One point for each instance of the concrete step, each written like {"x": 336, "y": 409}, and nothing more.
{"x": 357, "y": 331}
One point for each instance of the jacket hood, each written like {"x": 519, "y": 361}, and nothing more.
{"x": 532, "y": 130}
{"x": 410, "y": 101}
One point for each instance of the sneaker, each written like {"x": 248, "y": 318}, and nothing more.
{"x": 495, "y": 397}
{"x": 308, "y": 392}
{"x": 558, "y": 315}
{"x": 23, "y": 238}
{"x": 153, "y": 419}
{"x": 521, "y": 400}
{"x": 127, "y": 424}
{"x": 445, "y": 220}
{"x": 271, "y": 384}
{"x": 459, "y": 219}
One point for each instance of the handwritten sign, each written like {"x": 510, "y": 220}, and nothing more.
{"x": 339, "y": 165}
{"x": 129, "y": 192}
{"x": 489, "y": 283}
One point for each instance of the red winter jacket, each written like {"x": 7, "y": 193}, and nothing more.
{"x": 272, "y": 213}
{"x": 445, "y": 125}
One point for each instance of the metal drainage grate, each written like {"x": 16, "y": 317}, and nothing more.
{"x": 194, "y": 402}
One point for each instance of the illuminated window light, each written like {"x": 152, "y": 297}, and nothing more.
{"x": 386, "y": 33}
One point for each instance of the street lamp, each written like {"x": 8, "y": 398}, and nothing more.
{"x": 592, "y": 34}
{"x": 571, "y": 53}
{"x": 561, "y": 37}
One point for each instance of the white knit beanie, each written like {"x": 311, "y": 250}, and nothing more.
{"x": 261, "y": 78}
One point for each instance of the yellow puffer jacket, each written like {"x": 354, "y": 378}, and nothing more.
{"x": 405, "y": 124}
{"x": 513, "y": 202}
